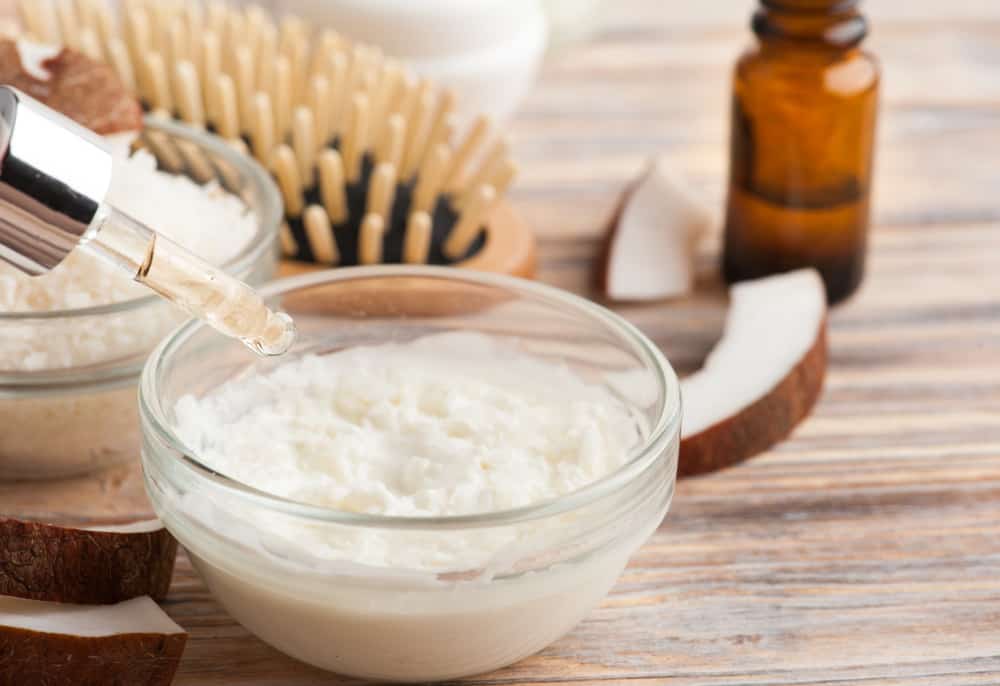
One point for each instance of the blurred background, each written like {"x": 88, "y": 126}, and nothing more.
{"x": 654, "y": 78}
{"x": 623, "y": 81}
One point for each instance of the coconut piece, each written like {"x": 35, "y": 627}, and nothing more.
{"x": 762, "y": 377}
{"x": 83, "y": 89}
{"x": 95, "y": 565}
{"x": 33, "y": 57}
{"x": 133, "y": 642}
{"x": 650, "y": 249}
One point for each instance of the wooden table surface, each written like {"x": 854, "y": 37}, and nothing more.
{"x": 865, "y": 549}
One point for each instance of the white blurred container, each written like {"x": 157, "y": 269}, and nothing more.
{"x": 488, "y": 51}
{"x": 572, "y": 21}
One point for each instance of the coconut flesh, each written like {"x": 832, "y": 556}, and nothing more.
{"x": 762, "y": 377}
{"x": 132, "y": 642}
{"x": 652, "y": 242}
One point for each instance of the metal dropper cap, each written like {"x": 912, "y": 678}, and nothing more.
{"x": 54, "y": 175}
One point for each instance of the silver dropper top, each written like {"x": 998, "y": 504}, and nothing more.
{"x": 54, "y": 175}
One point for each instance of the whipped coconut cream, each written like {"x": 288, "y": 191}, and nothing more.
{"x": 453, "y": 424}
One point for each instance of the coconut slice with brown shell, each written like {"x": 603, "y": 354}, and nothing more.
{"x": 650, "y": 247}
{"x": 95, "y": 565}
{"x": 83, "y": 89}
{"x": 763, "y": 376}
{"x": 56, "y": 644}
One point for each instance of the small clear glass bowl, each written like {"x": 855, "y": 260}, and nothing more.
{"x": 66, "y": 420}
{"x": 533, "y": 572}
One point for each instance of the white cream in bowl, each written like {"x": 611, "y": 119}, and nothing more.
{"x": 448, "y": 505}
{"x": 450, "y": 472}
{"x": 447, "y": 425}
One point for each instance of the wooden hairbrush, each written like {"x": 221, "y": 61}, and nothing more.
{"x": 361, "y": 150}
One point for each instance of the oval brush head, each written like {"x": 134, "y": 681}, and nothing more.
{"x": 361, "y": 150}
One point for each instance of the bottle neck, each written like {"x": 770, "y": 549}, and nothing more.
{"x": 811, "y": 24}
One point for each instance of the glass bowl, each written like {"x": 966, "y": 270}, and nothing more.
{"x": 76, "y": 412}
{"x": 522, "y": 578}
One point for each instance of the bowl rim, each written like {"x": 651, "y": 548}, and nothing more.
{"x": 641, "y": 457}
{"x": 270, "y": 215}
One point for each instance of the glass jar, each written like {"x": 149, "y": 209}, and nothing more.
{"x": 803, "y": 126}
{"x": 463, "y": 594}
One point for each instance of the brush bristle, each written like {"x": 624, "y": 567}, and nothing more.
{"x": 288, "y": 92}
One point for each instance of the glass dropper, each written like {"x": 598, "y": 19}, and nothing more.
{"x": 201, "y": 289}
{"x": 54, "y": 175}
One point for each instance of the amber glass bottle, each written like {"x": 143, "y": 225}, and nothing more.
{"x": 803, "y": 126}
